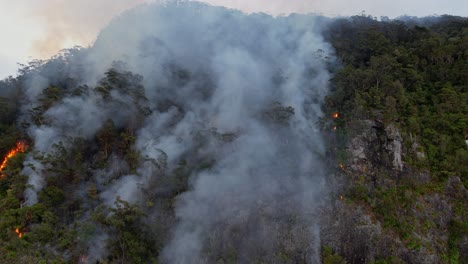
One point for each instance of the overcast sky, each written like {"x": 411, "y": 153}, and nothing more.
{"x": 40, "y": 28}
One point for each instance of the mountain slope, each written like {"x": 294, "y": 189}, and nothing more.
{"x": 195, "y": 134}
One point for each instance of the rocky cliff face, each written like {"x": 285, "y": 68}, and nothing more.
{"x": 385, "y": 210}
{"x": 399, "y": 142}
{"x": 375, "y": 144}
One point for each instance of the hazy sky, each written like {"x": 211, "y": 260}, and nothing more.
{"x": 40, "y": 28}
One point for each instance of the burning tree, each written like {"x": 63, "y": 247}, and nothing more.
{"x": 20, "y": 147}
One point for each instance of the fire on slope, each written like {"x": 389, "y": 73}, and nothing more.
{"x": 19, "y": 232}
{"x": 20, "y": 147}
{"x": 335, "y": 116}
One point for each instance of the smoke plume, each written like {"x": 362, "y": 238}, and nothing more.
{"x": 67, "y": 23}
{"x": 234, "y": 97}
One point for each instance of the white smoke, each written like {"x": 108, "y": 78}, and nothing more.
{"x": 241, "y": 90}
{"x": 33, "y": 169}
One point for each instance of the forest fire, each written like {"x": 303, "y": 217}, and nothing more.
{"x": 20, "y": 148}
{"x": 336, "y": 115}
{"x": 18, "y": 232}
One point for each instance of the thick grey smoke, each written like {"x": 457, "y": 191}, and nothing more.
{"x": 240, "y": 91}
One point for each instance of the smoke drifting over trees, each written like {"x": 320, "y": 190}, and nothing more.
{"x": 194, "y": 134}
{"x": 212, "y": 108}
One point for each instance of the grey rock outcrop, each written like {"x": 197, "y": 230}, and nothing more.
{"x": 376, "y": 142}
{"x": 394, "y": 146}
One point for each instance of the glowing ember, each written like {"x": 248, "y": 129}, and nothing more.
{"x": 18, "y": 233}
{"x": 20, "y": 148}
{"x": 336, "y": 115}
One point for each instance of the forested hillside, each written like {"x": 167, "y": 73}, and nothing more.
{"x": 245, "y": 143}
{"x": 399, "y": 140}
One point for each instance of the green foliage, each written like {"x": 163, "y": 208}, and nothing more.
{"x": 181, "y": 175}
{"x": 106, "y": 138}
{"x": 457, "y": 230}
{"x": 50, "y": 95}
{"x": 389, "y": 260}
{"x": 412, "y": 78}
{"x": 415, "y": 78}
{"x": 329, "y": 257}
{"x": 51, "y": 196}
{"x": 129, "y": 243}
{"x": 56, "y": 229}
{"x": 7, "y": 111}
{"x": 9, "y": 133}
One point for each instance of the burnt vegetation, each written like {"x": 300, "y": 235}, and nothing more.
{"x": 399, "y": 195}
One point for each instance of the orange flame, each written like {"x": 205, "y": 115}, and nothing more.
{"x": 18, "y": 232}
{"x": 341, "y": 166}
{"x": 20, "y": 148}
{"x": 336, "y": 115}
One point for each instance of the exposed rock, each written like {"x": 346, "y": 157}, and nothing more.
{"x": 361, "y": 145}
{"x": 420, "y": 219}
{"x": 357, "y": 148}
{"x": 415, "y": 148}
{"x": 355, "y": 235}
{"x": 394, "y": 146}
{"x": 420, "y": 155}
{"x": 377, "y": 143}
{"x": 351, "y": 233}
{"x": 416, "y": 177}
{"x": 456, "y": 189}
{"x": 463, "y": 248}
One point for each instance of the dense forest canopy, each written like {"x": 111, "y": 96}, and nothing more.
{"x": 233, "y": 138}
{"x": 402, "y": 97}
